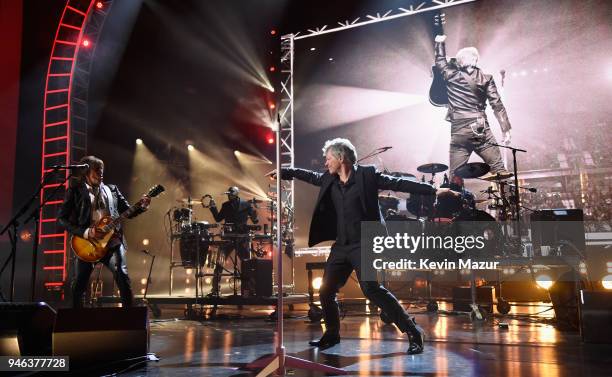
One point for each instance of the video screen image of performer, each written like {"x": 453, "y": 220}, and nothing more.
{"x": 469, "y": 89}
{"x": 86, "y": 202}
{"x": 348, "y": 196}
{"x": 235, "y": 212}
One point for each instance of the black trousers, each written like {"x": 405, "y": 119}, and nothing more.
{"x": 341, "y": 262}
{"x": 471, "y": 135}
{"x": 241, "y": 246}
{"x": 114, "y": 261}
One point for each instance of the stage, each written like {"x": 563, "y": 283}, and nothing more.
{"x": 455, "y": 346}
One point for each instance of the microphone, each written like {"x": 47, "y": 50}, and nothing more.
{"x": 73, "y": 166}
{"x": 384, "y": 149}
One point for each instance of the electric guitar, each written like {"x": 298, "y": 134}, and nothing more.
{"x": 92, "y": 250}
{"x": 437, "y": 92}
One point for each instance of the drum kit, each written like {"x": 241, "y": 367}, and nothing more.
{"x": 201, "y": 244}
{"x": 462, "y": 206}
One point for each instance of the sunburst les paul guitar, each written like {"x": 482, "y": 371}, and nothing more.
{"x": 92, "y": 250}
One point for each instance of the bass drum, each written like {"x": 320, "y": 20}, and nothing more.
{"x": 480, "y": 223}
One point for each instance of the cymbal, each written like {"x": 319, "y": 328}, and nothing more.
{"x": 498, "y": 177}
{"x": 432, "y": 168}
{"x": 402, "y": 174}
{"x": 186, "y": 201}
{"x": 472, "y": 170}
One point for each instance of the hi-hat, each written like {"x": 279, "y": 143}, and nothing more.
{"x": 432, "y": 168}
{"x": 498, "y": 176}
{"x": 472, "y": 170}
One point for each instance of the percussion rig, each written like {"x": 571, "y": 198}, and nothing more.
{"x": 202, "y": 245}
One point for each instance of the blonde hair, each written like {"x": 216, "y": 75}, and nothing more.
{"x": 340, "y": 147}
{"x": 467, "y": 57}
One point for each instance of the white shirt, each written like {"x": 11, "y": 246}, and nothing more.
{"x": 97, "y": 214}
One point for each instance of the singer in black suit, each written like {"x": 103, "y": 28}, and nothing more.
{"x": 235, "y": 212}
{"x": 348, "y": 196}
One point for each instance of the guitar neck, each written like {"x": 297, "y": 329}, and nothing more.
{"x": 128, "y": 212}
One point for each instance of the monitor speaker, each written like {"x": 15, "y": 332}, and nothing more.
{"x": 25, "y": 328}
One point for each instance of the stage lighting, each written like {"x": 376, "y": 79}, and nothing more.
{"x": 544, "y": 281}
{"x": 606, "y": 282}
{"x": 273, "y": 32}
{"x": 271, "y": 106}
{"x": 143, "y": 281}
{"x": 187, "y": 281}
{"x": 313, "y": 49}
{"x": 25, "y": 235}
{"x": 99, "y": 5}
{"x": 145, "y": 242}
{"x": 190, "y": 147}
{"x": 188, "y": 271}
{"x": 272, "y": 68}
{"x": 270, "y": 140}
{"x": 207, "y": 281}
{"x": 237, "y": 153}
{"x": 316, "y": 283}
{"x": 86, "y": 42}
{"x": 139, "y": 141}
{"x": 142, "y": 291}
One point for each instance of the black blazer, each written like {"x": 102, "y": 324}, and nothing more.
{"x": 324, "y": 219}
{"x": 75, "y": 212}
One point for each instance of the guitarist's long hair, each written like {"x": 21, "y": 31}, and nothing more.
{"x": 79, "y": 176}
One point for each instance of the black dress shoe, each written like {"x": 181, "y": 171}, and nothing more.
{"x": 327, "y": 340}
{"x": 416, "y": 336}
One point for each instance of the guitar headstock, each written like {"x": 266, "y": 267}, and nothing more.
{"x": 155, "y": 190}
{"x": 439, "y": 19}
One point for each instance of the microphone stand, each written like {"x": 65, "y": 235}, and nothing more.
{"x": 14, "y": 225}
{"x": 375, "y": 152}
{"x": 279, "y": 360}
{"x": 517, "y": 204}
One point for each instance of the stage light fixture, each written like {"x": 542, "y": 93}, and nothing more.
{"x": 139, "y": 141}
{"x": 25, "y": 235}
{"x": 272, "y": 68}
{"x": 273, "y": 32}
{"x": 188, "y": 271}
{"x": 86, "y": 42}
{"x": 145, "y": 242}
{"x": 270, "y": 140}
{"x": 190, "y": 147}
{"x": 143, "y": 281}
{"x": 316, "y": 282}
{"x": 544, "y": 281}
{"x": 99, "y": 5}
{"x": 207, "y": 281}
{"x": 187, "y": 281}
{"x": 142, "y": 291}
{"x": 606, "y": 282}
{"x": 271, "y": 105}
{"x": 313, "y": 49}
{"x": 237, "y": 153}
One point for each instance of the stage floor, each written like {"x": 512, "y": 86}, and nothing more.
{"x": 455, "y": 346}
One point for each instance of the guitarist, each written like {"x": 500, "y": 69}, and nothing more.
{"x": 87, "y": 200}
{"x": 468, "y": 90}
